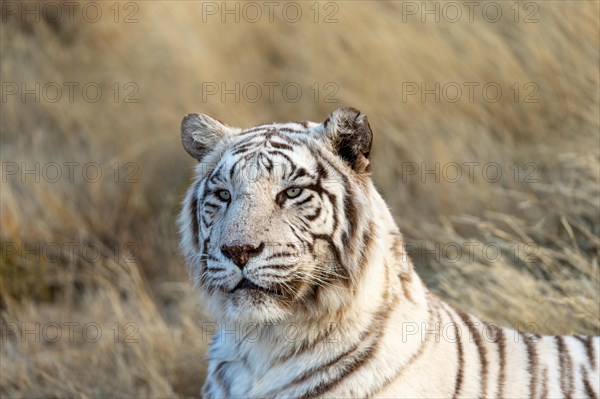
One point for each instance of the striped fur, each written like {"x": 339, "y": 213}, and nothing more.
{"x": 327, "y": 304}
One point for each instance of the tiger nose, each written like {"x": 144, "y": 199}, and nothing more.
{"x": 241, "y": 254}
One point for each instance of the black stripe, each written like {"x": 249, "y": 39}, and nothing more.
{"x": 300, "y": 172}
{"x": 289, "y": 130}
{"x": 532, "y": 362}
{"x": 203, "y": 256}
{"x": 269, "y": 162}
{"x": 207, "y": 223}
{"x": 589, "y": 390}
{"x": 243, "y": 150}
{"x": 207, "y": 390}
{"x": 233, "y": 168}
{"x": 350, "y": 211}
{"x": 220, "y": 379}
{"x": 279, "y": 255}
{"x": 193, "y": 214}
{"x": 544, "y": 394}
{"x": 254, "y": 130}
{"x": 460, "y": 354}
{"x": 321, "y": 171}
{"x": 566, "y": 367}
{"x": 289, "y": 140}
{"x": 215, "y": 175}
{"x": 589, "y": 349}
{"x": 361, "y": 359}
{"x": 501, "y": 341}
{"x": 275, "y": 267}
{"x": 417, "y": 354}
{"x": 340, "y": 268}
{"x": 480, "y": 349}
{"x": 304, "y": 201}
{"x": 284, "y": 156}
{"x": 358, "y": 362}
{"x": 306, "y": 345}
{"x": 244, "y": 145}
{"x": 294, "y": 232}
{"x": 246, "y": 142}
{"x": 333, "y": 200}
{"x": 314, "y": 215}
{"x": 323, "y": 367}
{"x": 281, "y": 146}
{"x": 367, "y": 242}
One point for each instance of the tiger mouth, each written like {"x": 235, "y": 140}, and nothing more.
{"x": 246, "y": 284}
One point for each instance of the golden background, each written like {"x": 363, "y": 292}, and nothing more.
{"x": 157, "y": 61}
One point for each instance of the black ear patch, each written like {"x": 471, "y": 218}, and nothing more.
{"x": 200, "y": 133}
{"x": 351, "y": 137}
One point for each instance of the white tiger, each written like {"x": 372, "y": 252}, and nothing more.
{"x": 299, "y": 260}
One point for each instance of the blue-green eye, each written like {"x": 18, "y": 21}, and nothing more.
{"x": 224, "y": 195}
{"x": 293, "y": 192}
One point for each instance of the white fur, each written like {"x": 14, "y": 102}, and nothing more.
{"x": 413, "y": 351}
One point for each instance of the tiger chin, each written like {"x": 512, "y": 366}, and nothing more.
{"x": 298, "y": 259}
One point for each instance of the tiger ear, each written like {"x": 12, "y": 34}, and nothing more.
{"x": 200, "y": 133}
{"x": 351, "y": 137}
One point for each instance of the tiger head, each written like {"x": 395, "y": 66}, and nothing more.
{"x": 278, "y": 216}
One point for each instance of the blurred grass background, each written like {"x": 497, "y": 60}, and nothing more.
{"x": 368, "y": 54}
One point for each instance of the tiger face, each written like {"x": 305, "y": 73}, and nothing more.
{"x": 270, "y": 223}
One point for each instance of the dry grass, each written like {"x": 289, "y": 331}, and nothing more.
{"x": 369, "y": 53}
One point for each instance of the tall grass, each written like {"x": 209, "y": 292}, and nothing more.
{"x": 544, "y": 223}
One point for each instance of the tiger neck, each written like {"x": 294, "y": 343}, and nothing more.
{"x": 388, "y": 291}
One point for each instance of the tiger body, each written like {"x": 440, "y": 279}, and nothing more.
{"x": 300, "y": 262}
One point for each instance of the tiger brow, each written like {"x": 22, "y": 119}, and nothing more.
{"x": 216, "y": 176}
{"x": 302, "y": 172}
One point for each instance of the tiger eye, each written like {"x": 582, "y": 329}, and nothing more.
{"x": 293, "y": 192}
{"x": 224, "y": 195}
